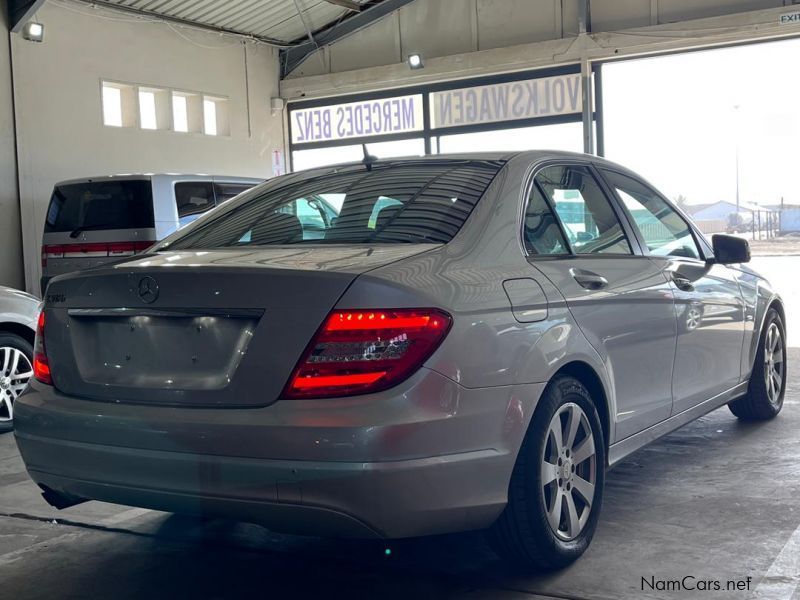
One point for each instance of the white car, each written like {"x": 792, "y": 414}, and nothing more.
{"x": 96, "y": 220}
{"x": 18, "y": 313}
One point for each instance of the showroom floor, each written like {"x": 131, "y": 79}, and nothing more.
{"x": 716, "y": 500}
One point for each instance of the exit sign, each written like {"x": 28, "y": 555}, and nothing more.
{"x": 790, "y": 18}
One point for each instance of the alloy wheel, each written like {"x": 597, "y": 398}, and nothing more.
{"x": 569, "y": 471}
{"x": 15, "y": 372}
{"x": 774, "y": 363}
{"x": 693, "y": 319}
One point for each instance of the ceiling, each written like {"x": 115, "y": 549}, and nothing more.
{"x": 299, "y": 27}
{"x": 277, "y": 21}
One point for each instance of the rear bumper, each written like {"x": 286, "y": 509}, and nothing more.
{"x": 431, "y": 457}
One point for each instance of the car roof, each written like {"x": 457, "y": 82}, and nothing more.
{"x": 531, "y": 155}
{"x": 170, "y": 176}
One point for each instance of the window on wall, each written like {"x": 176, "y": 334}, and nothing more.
{"x": 119, "y": 101}
{"x": 147, "y": 110}
{"x": 154, "y": 108}
{"x": 210, "y": 115}
{"x": 215, "y": 116}
{"x": 187, "y": 112}
{"x": 180, "y": 113}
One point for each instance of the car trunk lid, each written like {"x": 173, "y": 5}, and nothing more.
{"x": 198, "y": 328}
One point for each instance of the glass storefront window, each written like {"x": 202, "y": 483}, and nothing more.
{"x": 563, "y": 136}
{"x": 320, "y": 157}
{"x": 709, "y": 126}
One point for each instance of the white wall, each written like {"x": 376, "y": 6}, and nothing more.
{"x": 11, "y": 252}
{"x": 59, "y": 114}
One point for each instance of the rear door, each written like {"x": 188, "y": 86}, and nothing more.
{"x": 709, "y": 306}
{"x": 620, "y": 299}
{"x": 94, "y": 222}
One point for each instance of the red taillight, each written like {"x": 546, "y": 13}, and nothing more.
{"x": 365, "y": 351}
{"x": 41, "y": 366}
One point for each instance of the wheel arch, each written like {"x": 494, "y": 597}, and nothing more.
{"x": 777, "y": 304}
{"x": 587, "y": 375}
{"x": 20, "y": 330}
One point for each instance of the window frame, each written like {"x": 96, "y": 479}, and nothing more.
{"x": 702, "y": 246}
{"x": 530, "y": 180}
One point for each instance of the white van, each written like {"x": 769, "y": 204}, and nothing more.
{"x": 95, "y": 220}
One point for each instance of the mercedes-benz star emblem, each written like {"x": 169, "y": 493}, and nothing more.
{"x": 148, "y": 290}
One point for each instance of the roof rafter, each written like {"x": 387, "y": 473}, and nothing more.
{"x": 292, "y": 56}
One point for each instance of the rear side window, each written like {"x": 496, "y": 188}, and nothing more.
{"x": 194, "y": 197}
{"x": 421, "y": 202}
{"x": 586, "y": 213}
{"x": 226, "y": 191}
{"x": 100, "y": 205}
{"x": 542, "y": 233}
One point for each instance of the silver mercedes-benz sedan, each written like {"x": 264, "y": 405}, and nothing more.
{"x": 470, "y": 342}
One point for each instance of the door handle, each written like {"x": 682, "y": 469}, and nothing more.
{"x": 589, "y": 280}
{"x": 682, "y": 283}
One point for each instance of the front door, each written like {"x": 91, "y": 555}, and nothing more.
{"x": 620, "y": 299}
{"x": 709, "y": 307}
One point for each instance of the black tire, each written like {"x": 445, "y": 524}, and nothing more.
{"x": 10, "y": 340}
{"x": 756, "y": 405}
{"x": 522, "y": 534}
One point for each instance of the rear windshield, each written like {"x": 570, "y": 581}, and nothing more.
{"x": 421, "y": 202}
{"x": 98, "y": 205}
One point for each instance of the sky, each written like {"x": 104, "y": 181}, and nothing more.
{"x": 673, "y": 120}
{"x": 677, "y": 120}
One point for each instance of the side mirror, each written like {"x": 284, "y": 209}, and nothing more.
{"x": 730, "y": 250}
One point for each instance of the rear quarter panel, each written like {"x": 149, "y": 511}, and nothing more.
{"x": 487, "y": 346}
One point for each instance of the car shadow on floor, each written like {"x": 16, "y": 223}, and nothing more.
{"x": 195, "y": 556}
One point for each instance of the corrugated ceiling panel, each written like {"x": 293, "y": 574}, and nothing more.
{"x": 274, "y": 19}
